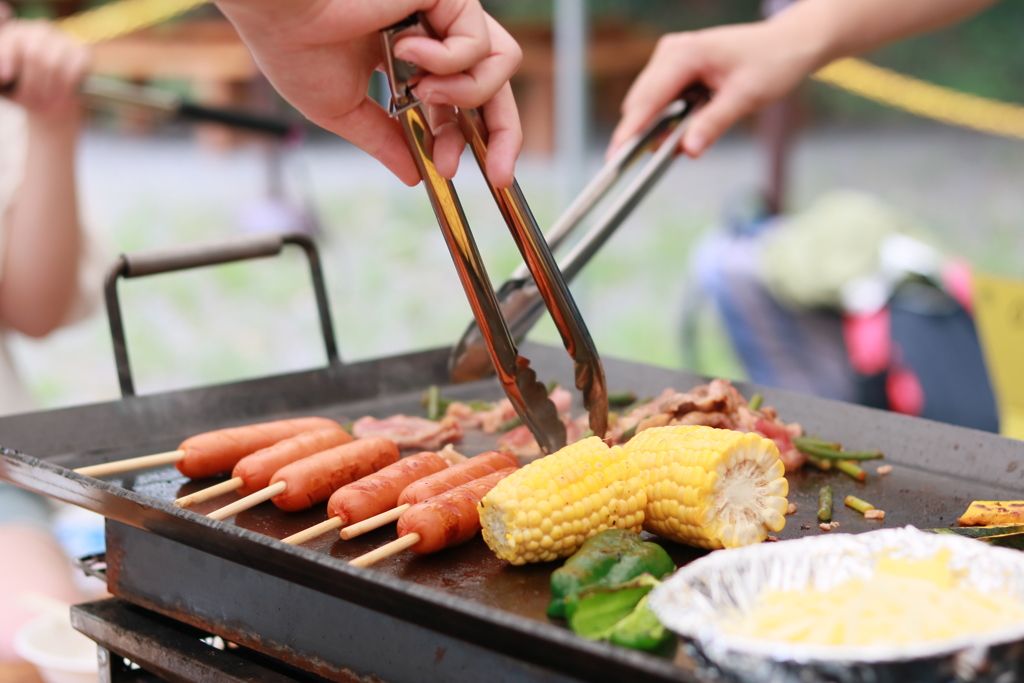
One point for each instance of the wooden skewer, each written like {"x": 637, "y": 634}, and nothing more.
{"x": 374, "y": 522}
{"x": 129, "y": 464}
{"x": 348, "y": 532}
{"x": 210, "y": 492}
{"x": 386, "y": 550}
{"x": 249, "y": 501}
{"x": 313, "y": 531}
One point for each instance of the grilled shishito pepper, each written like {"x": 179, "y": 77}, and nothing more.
{"x": 610, "y": 557}
{"x": 618, "y": 613}
{"x": 641, "y": 630}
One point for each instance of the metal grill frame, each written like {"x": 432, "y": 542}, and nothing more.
{"x": 949, "y": 464}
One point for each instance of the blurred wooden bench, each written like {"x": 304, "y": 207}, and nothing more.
{"x": 206, "y": 53}
{"x": 614, "y": 58}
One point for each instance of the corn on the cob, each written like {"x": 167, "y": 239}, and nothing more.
{"x": 548, "y": 508}
{"x": 713, "y": 488}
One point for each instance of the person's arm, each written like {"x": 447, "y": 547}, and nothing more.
{"x": 319, "y": 54}
{"x": 750, "y": 65}
{"x": 41, "y": 231}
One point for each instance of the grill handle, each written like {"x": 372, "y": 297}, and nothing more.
{"x": 156, "y": 261}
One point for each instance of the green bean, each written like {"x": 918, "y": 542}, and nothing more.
{"x": 815, "y": 441}
{"x": 857, "y": 504}
{"x": 629, "y": 433}
{"x": 509, "y": 425}
{"x": 825, "y": 504}
{"x": 755, "y": 402}
{"x": 433, "y": 403}
{"x": 820, "y": 463}
{"x": 621, "y": 399}
{"x": 833, "y": 454}
{"x": 847, "y": 467}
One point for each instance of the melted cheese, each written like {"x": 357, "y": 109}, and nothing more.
{"x": 906, "y": 602}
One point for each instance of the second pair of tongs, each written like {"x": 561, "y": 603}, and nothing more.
{"x": 519, "y": 297}
{"x": 519, "y": 380}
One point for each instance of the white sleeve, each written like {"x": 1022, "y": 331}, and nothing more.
{"x": 13, "y": 150}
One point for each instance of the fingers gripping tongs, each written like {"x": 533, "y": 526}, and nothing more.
{"x": 519, "y": 297}
{"x": 528, "y": 396}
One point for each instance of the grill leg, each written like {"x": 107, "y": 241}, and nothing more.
{"x": 114, "y": 669}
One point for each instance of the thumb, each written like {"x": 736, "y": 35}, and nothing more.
{"x": 726, "y": 107}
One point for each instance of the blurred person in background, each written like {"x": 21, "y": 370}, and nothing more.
{"x": 41, "y": 247}
{"x": 846, "y": 299}
{"x": 748, "y": 66}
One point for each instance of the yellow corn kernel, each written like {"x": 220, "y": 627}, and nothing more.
{"x": 548, "y": 508}
{"x": 713, "y": 488}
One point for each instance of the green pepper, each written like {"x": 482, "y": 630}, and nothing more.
{"x": 610, "y": 557}
{"x": 434, "y": 403}
{"x": 621, "y": 400}
{"x": 594, "y": 615}
{"x": 641, "y": 630}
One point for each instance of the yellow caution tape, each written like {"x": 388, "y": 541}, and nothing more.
{"x": 924, "y": 99}
{"x": 999, "y": 315}
{"x": 853, "y": 75}
{"x": 122, "y": 17}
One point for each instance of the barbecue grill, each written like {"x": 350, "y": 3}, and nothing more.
{"x": 301, "y": 613}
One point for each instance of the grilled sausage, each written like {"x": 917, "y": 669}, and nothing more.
{"x": 217, "y": 452}
{"x": 457, "y": 475}
{"x": 379, "y": 492}
{"x": 256, "y": 470}
{"x": 450, "y": 518}
{"x": 313, "y": 479}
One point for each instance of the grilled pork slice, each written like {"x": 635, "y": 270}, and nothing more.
{"x": 409, "y": 432}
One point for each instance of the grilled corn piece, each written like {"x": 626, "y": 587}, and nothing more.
{"x": 713, "y": 488}
{"x": 992, "y": 512}
{"x": 548, "y": 508}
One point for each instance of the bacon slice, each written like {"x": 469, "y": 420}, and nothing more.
{"x": 491, "y": 420}
{"x": 521, "y": 442}
{"x": 791, "y": 457}
{"x": 410, "y": 432}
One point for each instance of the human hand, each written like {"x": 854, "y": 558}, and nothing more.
{"x": 746, "y": 66}
{"x": 320, "y": 54}
{"x": 43, "y": 67}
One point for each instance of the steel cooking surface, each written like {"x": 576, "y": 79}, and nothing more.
{"x": 464, "y": 592}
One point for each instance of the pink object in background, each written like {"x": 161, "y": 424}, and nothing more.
{"x": 957, "y": 281}
{"x": 868, "y": 342}
{"x": 904, "y": 391}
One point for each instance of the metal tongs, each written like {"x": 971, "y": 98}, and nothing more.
{"x": 519, "y": 298}
{"x": 528, "y": 395}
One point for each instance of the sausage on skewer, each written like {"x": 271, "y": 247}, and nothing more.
{"x": 210, "y": 453}
{"x": 436, "y": 484}
{"x": 311, "y": 480}
{"x": 254, "y": 472}
{"x": 439, "y": 522}
{"x": 373, "y": 494}
{"x": 218, "y": 452}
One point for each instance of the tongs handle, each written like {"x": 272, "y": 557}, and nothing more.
{"x": 519, "y": 297}
{"x": 552, "y": 286}
{"x": 528, "y": 396}
{"x": 664, "y": 132}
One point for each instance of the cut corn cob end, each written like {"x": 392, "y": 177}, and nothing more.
{"x": 713, "y": 488}
{"x": 548, "y": 508}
